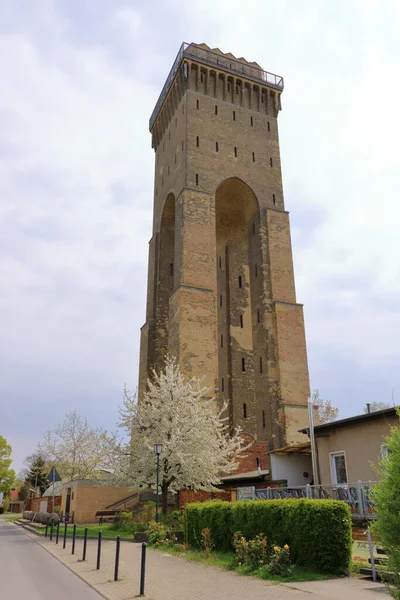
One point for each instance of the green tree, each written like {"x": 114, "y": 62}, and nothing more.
{"x": 386, "y": 497}
{"x": 37, "y": 474}
{"x": 23, "y": 492}
{"x": 7, "y": 475}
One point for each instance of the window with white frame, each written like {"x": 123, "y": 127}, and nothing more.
{"x": 338, "y": 468}
{"x": 384, "y": 451}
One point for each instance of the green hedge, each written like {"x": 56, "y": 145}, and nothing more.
{"x": 318, "y": 532}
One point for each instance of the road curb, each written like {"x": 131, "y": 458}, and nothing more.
{"x": 67, "y": 566}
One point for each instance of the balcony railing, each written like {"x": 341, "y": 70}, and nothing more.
{"x": 356, "y": 495}
{"x": 218, "y": 60}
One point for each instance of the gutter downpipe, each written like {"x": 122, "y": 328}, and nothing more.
{"x": 313, "y": 446}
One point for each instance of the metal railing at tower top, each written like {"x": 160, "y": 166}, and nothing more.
{"x": 225, "y": 63}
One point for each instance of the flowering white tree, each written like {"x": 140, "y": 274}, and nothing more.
{"x": 196, "y": 446}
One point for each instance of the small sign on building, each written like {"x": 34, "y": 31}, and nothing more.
{"x": 246, "y": 493}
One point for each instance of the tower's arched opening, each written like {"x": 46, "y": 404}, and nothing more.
{"x": 238, "y": 275}
{"x": 165, "y": 278}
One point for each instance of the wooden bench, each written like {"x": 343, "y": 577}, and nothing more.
{"x": 105, "y": 515}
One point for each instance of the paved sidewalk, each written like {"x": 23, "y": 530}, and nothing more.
{"x": 173, "y": 578}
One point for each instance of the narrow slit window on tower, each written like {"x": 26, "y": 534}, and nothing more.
{"x": 220, "y": 262}
{"x": 168, "y": 170}
{"x": 268, "y": 126}
{"x": 175, "y": 157}
{"x": 197, "y": 141}
{"x": 222, "y": 384}
{"x": 197, "y": 104}
{"x": 234, "y": 115}
{"x": 222, "y": 341}
{"x": 263, "y": 418}
{"x": 216, "y": 109}
{"x": 169, "y": 135}
{"x": 220, "y": 299}
{"x": 261, "y": 365}
{"x": 240, "y": 281}
{"x": 197, "y": 179}
{"x": 216, "y": 147}
{"x": 255, "y": 270}
{"x": 251, "y": 121}
{"x": 235, "y": 151}
{"x": 241, "y": 321}
{"x": 254, "y": 228}
{"x": 176, "y": 121}
{"x": 254, "y": 157}
{"x": 262, "y": 97}
{"x": 183, "y": 108}
{"x": 270, "y": 161}
{"x": 273, "y": 198}
{"x": 182, "y": 145}
{"x": 258, "y": 315}
{"x": 245, "y": 411}
{"x": 171, "y": 268}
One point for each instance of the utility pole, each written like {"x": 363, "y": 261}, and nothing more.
{"x": 312, "y": 438}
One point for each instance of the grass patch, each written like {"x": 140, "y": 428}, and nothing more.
{"x": 224, "y": 560}
{"x": 93, "y": 531}
{"x": 11, "y": 518}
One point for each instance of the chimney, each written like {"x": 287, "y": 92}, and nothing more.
{"x": 368, "y": 408}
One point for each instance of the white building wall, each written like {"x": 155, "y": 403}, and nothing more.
{"x": 292, "y": 468}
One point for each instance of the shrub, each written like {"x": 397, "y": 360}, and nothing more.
{"x": 147, "y": 514}
{"x": 159, "y": 536}
{"x": 174, "y": 521}
{"x": 318, "y": 532}
{"x": 124, "y": 521}
{"x": 386, "y": 497}
{"x": 280, "y": 563}
{"x": 207, "y": 541}
{"x": 251, "y": 553}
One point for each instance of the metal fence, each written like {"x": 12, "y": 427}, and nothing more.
{"x": 356, "y": 495}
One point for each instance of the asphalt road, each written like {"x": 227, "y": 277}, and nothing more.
{"x": 27, "y": 571}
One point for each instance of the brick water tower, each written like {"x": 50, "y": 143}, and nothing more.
{"x": 221, "y": 294}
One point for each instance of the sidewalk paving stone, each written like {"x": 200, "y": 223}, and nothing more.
{"x": 175, "y": 578}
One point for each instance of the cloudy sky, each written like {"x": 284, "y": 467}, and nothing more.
{"x": 78, "y": 81}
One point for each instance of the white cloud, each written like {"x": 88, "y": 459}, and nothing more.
{"x": 76, "y": 169}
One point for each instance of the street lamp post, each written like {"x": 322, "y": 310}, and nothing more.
{"x": 157, "y": 450}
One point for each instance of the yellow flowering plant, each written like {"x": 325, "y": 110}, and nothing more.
{"x": 280, "y": 563}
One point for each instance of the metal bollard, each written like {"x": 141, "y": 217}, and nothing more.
{"x": 117, "y": 558}
{"x": 65, "y": 535}
{"x": 84, "y": 544}
{"x": 98, "y": 551}
{"x": 47, "y": 527}
{"x": 57, "y": 531}
{"x": 143, "y": 569}
{"x": 73, "y": 539}
{"x": 51, "y": 529}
